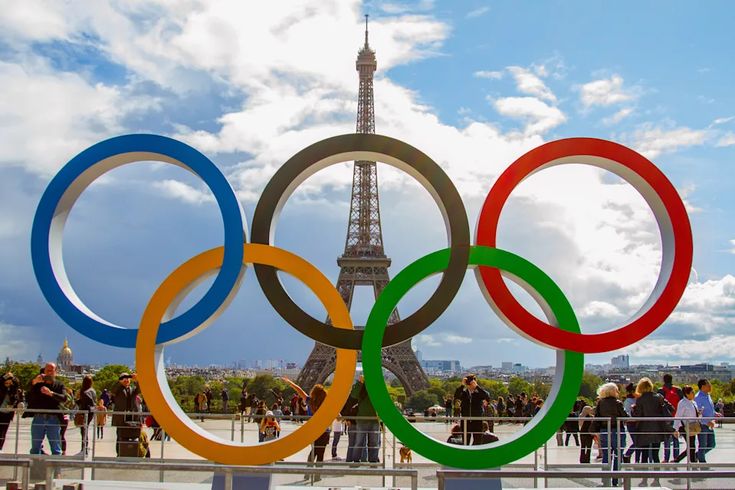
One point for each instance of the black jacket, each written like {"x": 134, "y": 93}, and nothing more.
{"x": 125, "y": 400}
{"x": 471, "y": 403}
{"x": 651, "y": 431}
{"x": 608, "y": 407}
{"x": 39, "y": 401}
{"x": 87, "y": 400}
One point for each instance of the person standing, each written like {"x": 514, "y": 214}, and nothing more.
{"x": 630, "y": 426}
{"x": 609, "y": 406}
{"x": 225, "y": 400}
{"x": 101, "y": 418}
{"x": 86, "y": 402}
{"x": 337, "y": 429}
{"x": 673, "y": 395}
{"x": 367, "y": 426}
{"x": 685, "y": 412}
{"x": 448, "y": 406}
{"x": 720, "y": 408}
{"x": 706, "y": 437}
{"x": 10, "y": 396}
{"x": 46, "y": 393}
{"x": 472, "y": 399}
{"x": 209, "y": 397}
{"x": 125, "y": 403}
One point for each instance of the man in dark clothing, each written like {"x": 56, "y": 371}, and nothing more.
{"x": 472, "y": 399}
{"x": 46, "y": 393}
{"x": 367, "y": 427}
{"x": 673, "y": 395}
{"x": 225, "y": 399}
{"x": 125, "y": 399}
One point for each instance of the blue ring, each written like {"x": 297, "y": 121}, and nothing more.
{"x": 227, "y": 278}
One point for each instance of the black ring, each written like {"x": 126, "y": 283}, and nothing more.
{"x": 363, "y": 147}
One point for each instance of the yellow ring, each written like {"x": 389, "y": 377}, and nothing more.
{"x": 152, "y": 377}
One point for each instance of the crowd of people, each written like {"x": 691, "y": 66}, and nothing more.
{"x": 53, "y": 407}
{"x": 635, "y": 425}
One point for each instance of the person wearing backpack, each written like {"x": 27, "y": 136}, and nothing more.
{"x": 673, "y": 395}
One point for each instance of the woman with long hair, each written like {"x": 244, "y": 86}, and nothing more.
{"x": 313, "y": 401}
{"x": 685, "y": 411}
{"x": 10, "y": 396}
{"x": 86, "y": 401}
{"x": 651, "y": 432}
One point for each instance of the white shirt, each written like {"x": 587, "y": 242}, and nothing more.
{"x": 337, "y": 426}
{"x": 685, "y": 408}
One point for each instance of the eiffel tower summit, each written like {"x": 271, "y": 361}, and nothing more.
{"x": 364, "y": 262}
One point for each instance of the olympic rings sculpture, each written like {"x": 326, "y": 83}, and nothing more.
{"x": 159, "y": 327}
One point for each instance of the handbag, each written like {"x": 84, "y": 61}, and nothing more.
{"x": 80, "y": 419}
{"x": 694, "y": 428}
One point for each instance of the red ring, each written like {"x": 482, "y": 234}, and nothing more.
{"x": 527, "y": 324}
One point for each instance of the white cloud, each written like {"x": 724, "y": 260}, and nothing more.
{"x": 539, "y": 116}
{"x": 732, "y": 243}
{"x": 722, "y": 120}
{"x": 727, "y": 139}
{"x": 184, "y": 192}
{"x": 653, "y": 141}
{"x": 716, "y": 348}
{"x": 528, "y": 83}
{"x": 492, "y": 75}
{"x": 618, "y": 116}
{"x": 17, "y": 342}
{"x": 50, "y": 116}
{"x": 478, "y": 12}
{"x": 605, "y": 92}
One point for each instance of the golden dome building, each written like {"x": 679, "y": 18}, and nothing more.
{"x": 65, "y": 360}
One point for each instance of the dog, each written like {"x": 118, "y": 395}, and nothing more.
{"x": 406, "y": 456}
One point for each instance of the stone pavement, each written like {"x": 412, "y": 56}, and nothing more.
{"x": 389, "y": 455}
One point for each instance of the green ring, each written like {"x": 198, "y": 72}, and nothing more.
{"x": 541, "y": 428}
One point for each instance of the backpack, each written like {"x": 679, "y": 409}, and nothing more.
{"x": 671, "y": 395}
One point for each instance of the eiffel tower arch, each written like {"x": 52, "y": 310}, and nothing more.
{"x": 364, "y": 262}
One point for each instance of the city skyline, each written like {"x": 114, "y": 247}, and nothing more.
{"x": 250, "y": 85}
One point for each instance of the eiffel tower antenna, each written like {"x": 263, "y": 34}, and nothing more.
{"x": 364, "y": 262}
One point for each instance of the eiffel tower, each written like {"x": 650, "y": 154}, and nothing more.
{"x": 364, "y": 262}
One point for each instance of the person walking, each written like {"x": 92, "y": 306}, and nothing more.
{"x": 11, "y": 395}
{"x": 571, "y": 427}
{"x": 673, "y": 395}
{"x": 630, "y": 425}
{"x": 585, "y": 434}
{"x": 86, "y": 402}
{"x": 609, "y": 406}
{"x": 686, "y": 411}
{"x": 45, "y": 396}
{"x": 651, "y": 432}
{"x": 706, "y": 437}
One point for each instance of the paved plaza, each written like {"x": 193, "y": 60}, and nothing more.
{"x": 551, "y": 456}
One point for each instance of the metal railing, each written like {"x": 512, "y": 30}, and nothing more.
{"x": 228, "y": 470}
{"x": 24, "y": 463}
{"x": 625, "y": 476}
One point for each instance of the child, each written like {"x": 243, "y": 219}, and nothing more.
{"x": 269, "y": 427}
{"x": 101, "y": 415}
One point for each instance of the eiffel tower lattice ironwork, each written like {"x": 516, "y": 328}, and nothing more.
{"x": 364, "y": 262}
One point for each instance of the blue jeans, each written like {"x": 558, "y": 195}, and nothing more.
{"x": 335, "y": 440}
{"x": 45, "y": 426}
{"x": 609, "y": 448}
{"x": 367, "y": 431}
{"x": 351, "y": 438}
{"x": 706, "y": 443}
{"x": 670, "y": 440}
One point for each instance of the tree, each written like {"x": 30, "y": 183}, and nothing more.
{"x": 421, "y": 400}
{"x": 24, "y": 371}
{"x": 517, "y": 385}
{"x": 107, "y": 377}
{"x": 590, "y": 383}
{"x": 494, "y": 387}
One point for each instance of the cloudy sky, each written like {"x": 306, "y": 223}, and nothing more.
{"x": 472, "y": 84}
